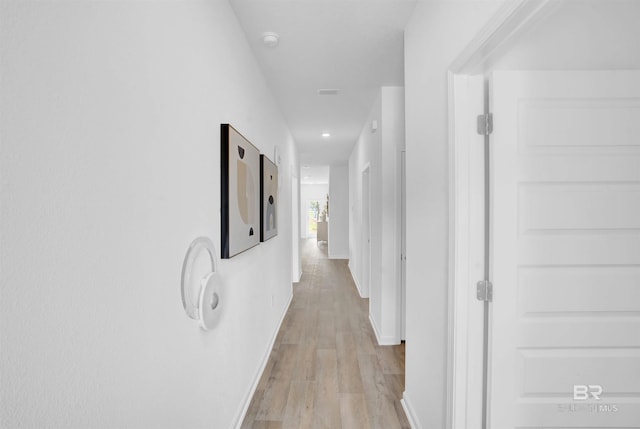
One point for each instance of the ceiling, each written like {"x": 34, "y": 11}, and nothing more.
{"x": 355, "y": 46}
{"x": 314, "y": 174}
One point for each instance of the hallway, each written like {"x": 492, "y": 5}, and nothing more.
{"x": 325, "y": 369}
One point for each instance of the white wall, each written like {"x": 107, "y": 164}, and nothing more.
{"x": 339, "y": 211}
{"x": 309, "y": 193}
{"x": 381, "y": 151}
{"x": 579, "y": 35}
{"x": 366, "y": 154}
{"x": 435, "y": 35}
{"x": 392, "y": 128}
{"x": 110, "y": 166}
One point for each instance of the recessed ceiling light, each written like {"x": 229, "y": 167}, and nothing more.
{"x": 270, "y": 39}
{"x": 326, "y": 135}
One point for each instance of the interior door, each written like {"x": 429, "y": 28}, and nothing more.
{"x": 565, "y": 250}
{"x": 403, "y": 245}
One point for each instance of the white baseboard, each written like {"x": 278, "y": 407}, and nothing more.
{"x": 338, "y": 256}
{"x": 408, "y": 410}
{"x": 256, "y": 379}
{"x": 355, "y": 280}
{"x": 382, "y": 341}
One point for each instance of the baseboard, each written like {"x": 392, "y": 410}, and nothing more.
{"x": 382, "y": 341}
{"x": 355, "y": 280}
{"x": 249, "y": 396}
{"x": 338, "y": 256}
{"x": 408, "y": 410}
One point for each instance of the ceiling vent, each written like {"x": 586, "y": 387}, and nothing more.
{"x": 328, "y": 91}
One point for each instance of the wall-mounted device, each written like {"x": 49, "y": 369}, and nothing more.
{"x": 277, "y": 159}
{"x": 201, "y": 293}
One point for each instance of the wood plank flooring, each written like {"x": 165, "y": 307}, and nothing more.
{"x": 326, "y": 369}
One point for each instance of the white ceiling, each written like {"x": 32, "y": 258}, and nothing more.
{"x": 314, "y": 174}
{"x": 355, "y": 46}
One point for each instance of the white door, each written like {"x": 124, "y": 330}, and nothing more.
{"x": 403, "y": 244}
{"x": 565, "y": 251}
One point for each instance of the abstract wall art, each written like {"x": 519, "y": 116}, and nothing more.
{"x": 268, "y": 199}
{"x": 240, "y": 190}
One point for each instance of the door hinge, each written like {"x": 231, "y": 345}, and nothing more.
{"x": 484, "y": 291}
{"x": 485, "y": 124}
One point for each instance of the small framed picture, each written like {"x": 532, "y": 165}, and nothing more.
{"x": 268, "y": 199}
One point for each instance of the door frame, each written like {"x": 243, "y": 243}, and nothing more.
{"x": 296, "y": 268}
{"x": 365, "y": 266}
{"x": 465, "y": 390}
{"x": 403, "y": 244}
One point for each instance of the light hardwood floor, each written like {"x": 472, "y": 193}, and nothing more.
{"x": 326, "y": 369}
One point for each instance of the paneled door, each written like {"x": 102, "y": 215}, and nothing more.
{"x": 565, "y": 250}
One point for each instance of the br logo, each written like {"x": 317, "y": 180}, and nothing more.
{"x": 582, "y": 392}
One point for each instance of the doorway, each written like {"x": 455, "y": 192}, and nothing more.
{"x": 296, "y": 271}
{"x": 365, "y": 233}
{"x": 562, "y": 322}
{"x": 564, "y": 254}
{"x": 312, "y": 216}
{"x": 403, "y": 246}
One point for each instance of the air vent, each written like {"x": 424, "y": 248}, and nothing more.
{"x": 328, "y": 91}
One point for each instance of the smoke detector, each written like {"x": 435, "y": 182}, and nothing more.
{"x": 270, "y": 39}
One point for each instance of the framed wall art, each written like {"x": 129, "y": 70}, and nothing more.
{"x": 240, "y": 191}
{"x": 268, "y": 199}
